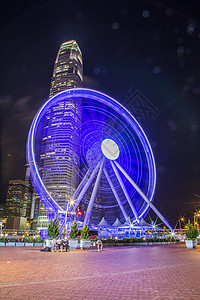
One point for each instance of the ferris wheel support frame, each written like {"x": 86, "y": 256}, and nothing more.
{"x": 80, "y": 186}
{"x": 143, "y": 196}
{"x": 125, "y": 192}
{"x": 116, "y": 195}
{"x": 86, "y": 186}
{"x": 94, "y": 192}
{"x": 100, "y": 168}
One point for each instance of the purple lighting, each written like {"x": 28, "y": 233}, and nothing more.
{"x": 103, "y": 118}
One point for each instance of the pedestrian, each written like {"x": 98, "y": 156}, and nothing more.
{"x": 65, "y": 244}
{"x": 59, "y": 244}
{"x": 53, "y": 245}
{"x": 99, "y": 245}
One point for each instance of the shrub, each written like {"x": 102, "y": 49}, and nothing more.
{"x": 108, "y": 241}
{"x": 134, "y": 240}
{"x": 150, "y": 240}
{"x": 125, "y": 240}
{"x": 74, "y": 230}
{"x": 192, "y": 232}
{"x": 12, "y": 239}
{"x": 157, "y": 240}
{"x": 85, "y": 232}
{"x": 141, "y": 240}
{"x": 38, "y": 239}
{"x": 4, "y": 239}
{"x": 28, "y": 239}
{"x": 53, "y": 228}
{"x": 120, "y": 241}
{"x": 168, "y": 239}
{"x": 173, "y": 239}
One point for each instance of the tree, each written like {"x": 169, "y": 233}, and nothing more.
{"x": 85, "y": 232}
{"x": 192, "y": 232}
{"x": 74, "y": 230}
{"x": 53, "y": 228}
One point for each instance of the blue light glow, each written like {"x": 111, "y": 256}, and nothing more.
{"x": 102, "y": 118}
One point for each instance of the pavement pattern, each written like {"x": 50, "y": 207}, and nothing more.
{"x": 139, "y": 272}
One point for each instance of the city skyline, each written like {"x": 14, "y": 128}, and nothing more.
{"x": 132, "y": 54}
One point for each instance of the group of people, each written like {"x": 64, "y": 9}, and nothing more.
{"x": 58, "y": 244}
{"x": 63, "y": 245}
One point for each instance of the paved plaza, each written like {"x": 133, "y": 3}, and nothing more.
{"x": 140, "y": 272}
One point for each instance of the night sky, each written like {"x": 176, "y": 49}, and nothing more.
{"x": 145, "y": 54}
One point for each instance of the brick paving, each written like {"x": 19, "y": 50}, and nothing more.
{"x": 140, "y": 272}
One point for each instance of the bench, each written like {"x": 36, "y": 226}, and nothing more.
{"x": 86, "y": 245}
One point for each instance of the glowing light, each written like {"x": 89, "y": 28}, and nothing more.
{"x": 145, "y": 13}
{"x": 135, "y": 150}
{"x": 110, "y": 149}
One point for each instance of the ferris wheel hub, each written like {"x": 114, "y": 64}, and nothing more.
{"x": 110, "y": 149}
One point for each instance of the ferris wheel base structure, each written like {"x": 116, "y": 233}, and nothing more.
{"x": 116, "y": 166}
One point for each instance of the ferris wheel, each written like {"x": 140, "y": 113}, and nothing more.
{"x": 114, "y": 164}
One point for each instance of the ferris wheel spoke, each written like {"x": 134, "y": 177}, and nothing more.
{"x": 125, "y": 192}
{"x": 115, "y": 194}
{"x": 94, "y": 192}
{"x": 86, "y": 186}
{"x": 143, "y": 196}
{"x": 80, "y": 186}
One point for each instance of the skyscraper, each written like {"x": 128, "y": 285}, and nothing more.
{"x": 59, "y": 141}
{"x": 68, "y": 68}
{"x": 17, "y": 201}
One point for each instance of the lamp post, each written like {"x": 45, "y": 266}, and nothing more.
{"x": 195, "y": 223}
{"x": 70, "y": 202}
{"x": 181, "y": 220}
{"x": 131, "y": 227}
{"x": 1, "y": 231}
{"x": 198, "y": 215}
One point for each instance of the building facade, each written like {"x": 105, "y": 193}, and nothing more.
{"x": 59, "y": 141}
{"x": 68, "y": 68}
{"x": 18, "y": 202}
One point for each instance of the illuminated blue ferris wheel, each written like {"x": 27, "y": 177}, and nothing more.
{"x": 115, "y": 167}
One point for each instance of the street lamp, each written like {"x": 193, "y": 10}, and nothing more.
{"x": 1, "y": 230}
{"x": 181, "y": 220}
{"x": 195, "y": 219}
{"x": 70, "y": 202}
{"x": 130, "y": 228}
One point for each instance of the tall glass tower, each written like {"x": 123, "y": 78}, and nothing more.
{"x": 59, "y": 138}
{"x": 68, "y": 68}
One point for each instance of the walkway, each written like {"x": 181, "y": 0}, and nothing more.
{"x": 140, "y": 272}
